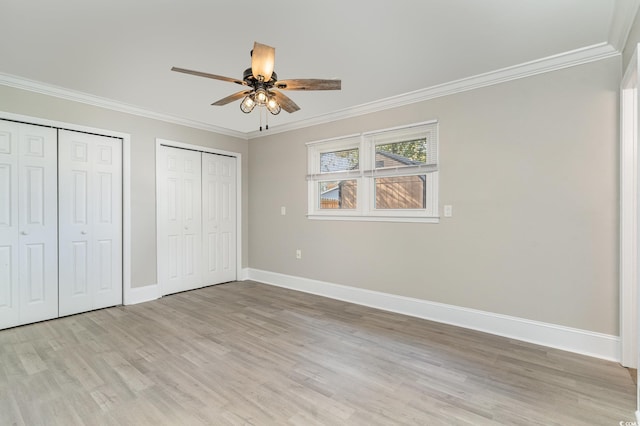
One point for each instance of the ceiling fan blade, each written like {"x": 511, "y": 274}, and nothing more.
{"x": 207, "y": 75}
{"x": 308, "y": 84}
{"x": 231, "y": 98}
{"x": 285, "y": 102}
{"x": 262, "y": 61}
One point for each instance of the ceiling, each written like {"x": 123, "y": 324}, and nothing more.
{"x": 119, "y": 52}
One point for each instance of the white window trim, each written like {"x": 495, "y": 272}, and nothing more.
{"x": 364, "y": 177}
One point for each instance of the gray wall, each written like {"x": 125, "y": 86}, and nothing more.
{"x": 143, "y": 133}
{"x": 531, "y": 169}
{"x": 530, "y": 166}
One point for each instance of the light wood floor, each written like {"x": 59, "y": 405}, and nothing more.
{"x": 247, "y": 353}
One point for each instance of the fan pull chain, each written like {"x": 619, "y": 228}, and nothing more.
{"x": 266, "y": 119}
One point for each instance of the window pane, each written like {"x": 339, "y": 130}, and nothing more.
{"x": 398, "y": 154}
{"x": 339, "y": 194}
{"x": 401, "y": 192}
{"x": 339, "y": 161}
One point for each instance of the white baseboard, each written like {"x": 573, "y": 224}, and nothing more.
{"x": 551, "y": 335}
{"x": 147, "y": 293}
{"x": 244, "y": 274}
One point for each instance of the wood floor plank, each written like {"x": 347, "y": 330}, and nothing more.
{"x": 251, "y": 354}
{"x": 29, "y": 358}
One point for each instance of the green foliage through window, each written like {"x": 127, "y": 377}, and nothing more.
{"x": 411, "y": 152}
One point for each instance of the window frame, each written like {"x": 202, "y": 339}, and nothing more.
{"x": 316, "y": 176}
{"x": 367, "y": 172}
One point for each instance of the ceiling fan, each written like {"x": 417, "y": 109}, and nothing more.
{"x": 263, "y": 86}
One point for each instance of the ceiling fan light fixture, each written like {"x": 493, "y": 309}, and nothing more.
{"x": 248, "y": 104}
{"x": 261, "y": 96}
{"x": 262, "y": 61}
{"x": 273, "y": 106}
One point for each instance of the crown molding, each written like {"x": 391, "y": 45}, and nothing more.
{"x": 85, "y": 98}
{"x": 621, "y": 22}
{"x": 551, "y": 63}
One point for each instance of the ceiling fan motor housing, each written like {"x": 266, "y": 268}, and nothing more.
{"x": 251, "y": 81}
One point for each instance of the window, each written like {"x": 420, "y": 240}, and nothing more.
{"x": 388, "y": 175}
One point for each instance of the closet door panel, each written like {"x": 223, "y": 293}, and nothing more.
{"x": 78, "y": 267}
{"x": 179, "y": 219}
{"x": 191, "y": 220}
{"x": 211, "y": 254}
{"x": 75, "y": 210}
{"x": 37, "y": 213}
{"x": 7, "y": 179}
{"x": 6, "y": 277}
{"x": 107, "y": 217}
{"x": 90, "y": 222}
{"x": 219, "y": 218}
{"x": 9, "y": 231}
{"x": 210, "y": 219}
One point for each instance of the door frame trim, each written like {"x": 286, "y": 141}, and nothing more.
{"x": 126, "y": 183}
{"x": 629, "y": 215}
{"x": 201, "y": 148}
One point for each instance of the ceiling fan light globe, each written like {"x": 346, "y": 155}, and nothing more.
{"x": 262, "y": 61}
{"x": 273, "y": 107}
{"x": 261, "y": 96}
{"x": 247, "y": 105}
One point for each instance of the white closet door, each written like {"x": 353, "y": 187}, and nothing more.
{"x": 90, "y": 203}
{"x": 219, "y": 218}
{"x": 28, "y": 224}
{"x": 38, "y": 214}
{"x": 179, "y": 219}
{"x": 9, "y": 225}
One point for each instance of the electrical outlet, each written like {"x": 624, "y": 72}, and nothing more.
{"x": 298, "y": 254}
{"x": 283, "y": 210}
{"x": 448, "y": 211}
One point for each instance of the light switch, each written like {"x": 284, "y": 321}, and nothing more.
{"x": 448, "y": 210}
{"x": 283, "y": 210}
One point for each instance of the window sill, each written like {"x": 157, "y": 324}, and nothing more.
{"x": 353, "y": 218}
